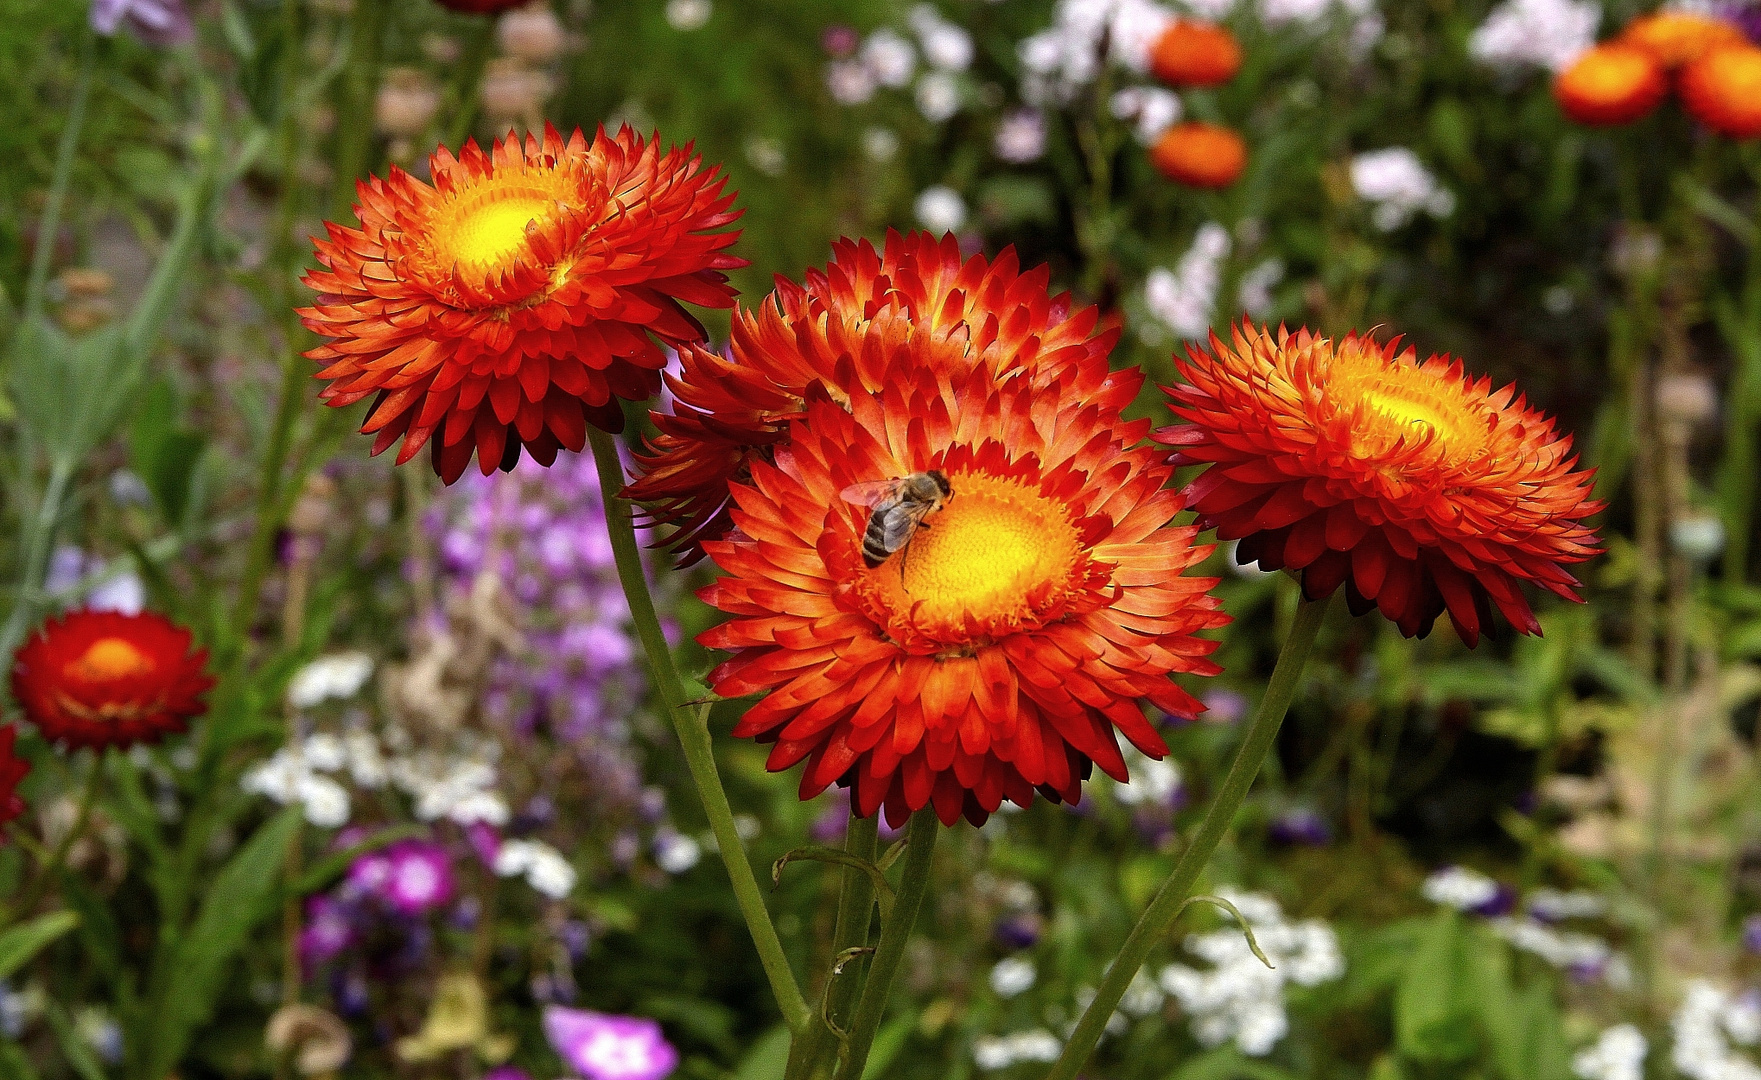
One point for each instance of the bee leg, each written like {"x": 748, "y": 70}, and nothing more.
{"x": 903, "y": 555}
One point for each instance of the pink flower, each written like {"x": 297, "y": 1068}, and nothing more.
{"x": 156, "y": 22}
{"x": 410, "y": 876}
{"x": 604, "y": 1047}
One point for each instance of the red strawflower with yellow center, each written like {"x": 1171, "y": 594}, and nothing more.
{"x": 846, "y": 331}
{"x": 1416, "y": 486}
{"x": 1611, "y": 84}
{"x": 512, "y": 302}
{"x": 12, "y": 771}
{"x": 1678, "y": 38}
{"x": 1200, "y": 155}
{"x": 103, "y": 678}
{"x": 1191, "y": 52}
{"x": 1723, "y": 91}
{"x": 1006, "y": 644}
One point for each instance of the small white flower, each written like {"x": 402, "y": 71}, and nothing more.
{"x": 675, "y": 852}
{"x": 880, "y": 143}
{"x": 1021, "y": 136}
{"x": 1142, "y": 997}
{"x": 1185, "y": 298}
{"x": 1563, "y": 949}
{"x": 688, "y": 14}
{"x": 1555, "y": 905}
{"x": 1460, "y": 888}
{"x": 337, "y": 676}
{"x": 1153, "y": 782}
{"x": 849, "y": 81}
{"x": 1012, "y": 976}
{"x": 1397, "y": 186}
{"x": 945, "y": 45}
{"x": 1036, "y": 1045}
{"x": 1703, "y": 1033}
{"x": 366, "y": 764}
{"x": 889, "y": 58}
{"x": 938, "y": 96}
{"x": 1254, "y": 295}
{"x": 766, "y": 155}
{"x": 1546, "y": 34}
{"x": 1151, "y": 110}
{"x": 324, "y": 752}
{"x": 1618, "y": 1054}
{"x": 941, "y": 209}
{"x": 287, "y": 778}
{"x": 543, "y": 866}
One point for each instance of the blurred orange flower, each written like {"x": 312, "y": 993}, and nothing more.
{"x": 1011, "y": 639}
{"x": 1723, "y": 91}
{"x": 1678, "y": 38}
{"x": 1418, "y": 487}
{"x": 1191, "y": 52}
{"x": 850, "y": 329}
{"x": 103, "y": 678}
{"x": 1611, "y": 84}
{"x": 511, "y": 302}
{"x": 1200, "y": 155}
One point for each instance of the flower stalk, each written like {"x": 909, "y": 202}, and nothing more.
{"x": 920, "y": 842}
{"x": 1170, "y": 899}
{"x": 808, "y": 1055}
{"x": 693, "y": 730}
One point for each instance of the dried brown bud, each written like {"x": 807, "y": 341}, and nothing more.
{"x": 318, "y": 1040}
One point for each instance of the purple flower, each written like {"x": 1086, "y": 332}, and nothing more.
{"x": 1746, "y": 14}
{"x": 158, "y": 23}
{"x": 1224, "y": 706}
{"x": 1021, "y": 931}
{"x": 1752, "y": 933}
{"x": 1502, "y": 902}
{"x": 839, "y": 41}
{"x": 369, "y": 873}
{"x": 1300, "y": 827}
{"x": 506, "y": 1072}
{"x": 328, "y": 931}
{"x": 603, "y": 1047}
{"x": 420, "y": 877}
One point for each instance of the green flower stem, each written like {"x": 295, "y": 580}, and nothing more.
{"x": 39, "y": 539}
{"x": 38, "y": 283}
{"x": 354, "y": 129}
{"x": 1159, "y": 917}
{"x": 693, "y": 729}
{"x": 809, "y": 1055}
{"x": 920, "y": 844}
{"x": 50, "y": 871}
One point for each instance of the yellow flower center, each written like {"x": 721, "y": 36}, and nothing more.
{"x": 111, "y": 658}
{"x": 1395, "y": 403}
{"x": 998, "y": 555}
{"x": 481, "y": 228}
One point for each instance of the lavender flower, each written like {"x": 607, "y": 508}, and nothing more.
{"x": 159, "y": 23}
{"x": 605, "y": 1047}
{"x": 1300, "y": 827}
{"x": 329, "y": 930}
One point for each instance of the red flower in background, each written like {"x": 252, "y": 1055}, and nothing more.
{"x": 1416, "y": 486}
{"x": 12, "y": 772}
{"x": 1191, "y": 52}
{"x": 1723, "y": 91}
{"x": 851, "y": 329}
{"x": 102, "y": 678}
{"x": 1200, "y": 155}
{"x": 1611, "y": 84}
{"x": 510, "y": 303}
{"x": 1005, "y": 647}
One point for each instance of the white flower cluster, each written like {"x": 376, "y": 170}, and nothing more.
{"x": 1255, "y": 292}
{"x": 1013, "y": 975}
{"x": 88, "y": 581}
{"x": 296, "y": 774}
{"x": 1618, "y": 1054}
{"x": 1398, "y": 186}
{"x": 1367, "y": 24}
{"x": 1706, "y": 1025}
{"x": 1000, "y": 1052}
{"x": 1585, "y": 955}
{"x": 1553, "y": 905}
{"x": 1547, "y": 34}
{"x": 888, "y": 59}
{"x": 1184, "y": 298}
{"x": 543, "y": 867}
{"x": 1155, "y": 783}
{"x": 337, "y": 677}
{"x": 1150, "y": 110}
{"x": 1085, "y": 34}
{"x": 459, "y": 787}
{"x": 1240, "y": 998}
{"x": 1460, "y": 888}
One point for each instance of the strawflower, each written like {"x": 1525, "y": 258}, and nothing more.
{"x": 1003, "y": 649}
{"x": 1191, "y": 52}
{"x": 102, "y": 678}
{"x": 1610, "y": 85}
{"x": 1200, "y": 155}
{"x": 1723, "y": 91}
{"x": 848, "y": 330}
{"x": 510, "y": 303}
{"x": 1678, "y": 38}
{"x": 1414, "y": 485}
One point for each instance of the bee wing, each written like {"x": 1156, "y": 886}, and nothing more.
{"x": 870, "y": 493}
{"x": 898, "y": 525}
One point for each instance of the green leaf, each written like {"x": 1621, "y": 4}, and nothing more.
{"x": 74, "y": 1047}
{"x": 235, "y": 902}
{"x": 69, "y": 392}
{"x": 98, "y": 931}
{"x": 886, "y": 1046}
{"x": 1228, "y": 1063}
{"x": 25, "y": 940}
{"x": 768, "y": 1056}
{"x": 1433, "y": 1019}
{"x": 14, "y": 1065}
{"x": 164, "y": 455}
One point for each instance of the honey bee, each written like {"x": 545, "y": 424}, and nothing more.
{"x": 899, "y": 508}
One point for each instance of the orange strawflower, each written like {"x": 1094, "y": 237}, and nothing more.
{"x": 102, "y": 678}
{"x": 848, "y": 330}
{"x": 1200, "y": 155}
{"x": 510, "y": 303}
{"x": 1678, "y": 38}
{"x": 1191, "y": 52}
{"x": 1611, "y": 84}
{"x": 1723, "y": 91}
{"x": 12, "y": 771}
{"x": 1418, "y": 487}
{"x": 1005, "y": 646}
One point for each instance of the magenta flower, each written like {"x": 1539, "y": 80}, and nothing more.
{"x": 420, "y": 877}
{"x": 328, "y": 931}
{"x": 604, "y": 1047}
{"x": 156, "y": 22}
